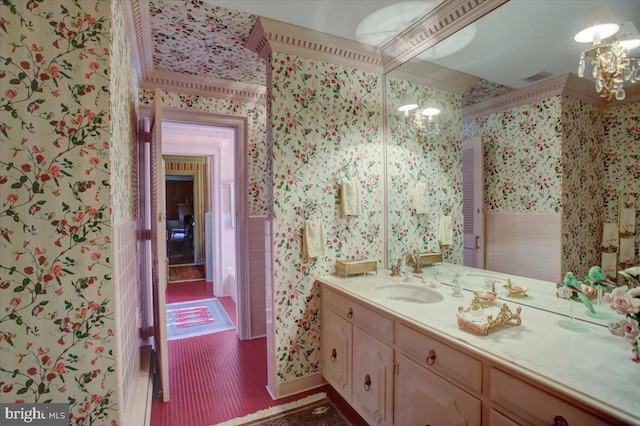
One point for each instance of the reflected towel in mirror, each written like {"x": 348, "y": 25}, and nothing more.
{"x": 350, "y": 197}
{"x": 610, "y": 264}
{"x": 445, "y": 231}
{"x": 313, "y": 243}
{"x": 610, "y": 235}
{"x": 421, "y": 198}
{"x": 628, "y": 220}
{"x": 627, "y": 251}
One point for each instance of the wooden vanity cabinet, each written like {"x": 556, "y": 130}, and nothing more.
{"x": 364, "y": 377}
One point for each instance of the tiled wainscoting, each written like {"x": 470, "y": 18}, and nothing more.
{"x": 127, "y": 321}
{"x": 526, "y": 244}
{"x": 257, "y": 275}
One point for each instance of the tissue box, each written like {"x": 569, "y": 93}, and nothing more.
{"x": 355, "y": 267}
{"x": 426, "y": 259}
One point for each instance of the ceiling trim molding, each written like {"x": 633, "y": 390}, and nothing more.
{"x": 269, "y": 35}
{"x": 566, "y": 85}
{"x": 444, "y": 20}
{"x": 195, "y": 85}
{"x": 138, "y": 26}
{"x": 550, "y": 87}
{"x": 432, "y": 75}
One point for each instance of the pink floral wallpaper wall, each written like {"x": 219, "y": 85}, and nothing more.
{"x": 256, "y": 134}
{"x": 582, "y": 185}
{"x": 326, "y": 126}
{"x": 622, "y": 162}
{"x": 56, "y": 308}
{"x": 435, "y": 160}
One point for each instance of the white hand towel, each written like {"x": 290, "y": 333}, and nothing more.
{"x": 628, "y": 221}
{"x": 610, "y": 235}
{"x": 627, "y": 251}
{"x": 313, "y": 243}
{"x": 421, "y": 198}
{"x": 350, "y": 197}
{"x": 445, "y": 231}
{"x": 610, "y": 264}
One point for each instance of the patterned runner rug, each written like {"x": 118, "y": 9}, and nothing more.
{"x": 186, "y": 273}
{"x": 314, "y": 410}
{"x": 195, "y": 318}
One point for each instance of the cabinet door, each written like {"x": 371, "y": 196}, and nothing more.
{"x": 372, "y": 379}
{"x": 423, "y": 398}
{"x": 336, "y": 353}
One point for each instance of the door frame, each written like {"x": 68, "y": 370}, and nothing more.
{"x": 475, "y": 144}
{"x": 239, "y": 124}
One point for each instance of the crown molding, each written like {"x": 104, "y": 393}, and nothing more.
{"x": 566, "y": 85}
{"x": 196, "y": 85}
{"x": 432, "y": 75}
{"x": 444, "y": 20}
{"x": 138, "y": 26}
{"x": 269, "y": 35}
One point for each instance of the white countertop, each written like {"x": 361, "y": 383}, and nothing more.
{"x": 592, "y": 366}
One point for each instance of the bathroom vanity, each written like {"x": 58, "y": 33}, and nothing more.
{"x": 392, "y": 348}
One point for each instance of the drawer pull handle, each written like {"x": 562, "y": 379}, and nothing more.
{"x": 560, "y": 421}
{"x": 350, "y": 314}
{"x": 334, "y": 354}
{"x": 432, "y": 357}
{"x": 367, "y": 383}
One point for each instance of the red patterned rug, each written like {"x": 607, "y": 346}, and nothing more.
{"x": 186, "y": 273}
{"x": 195, "y": 318}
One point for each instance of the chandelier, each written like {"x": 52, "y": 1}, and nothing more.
{"x": 418, "y": 121}
{"x": 612, "y": 66}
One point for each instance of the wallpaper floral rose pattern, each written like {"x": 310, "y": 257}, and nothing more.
{"x": 56, "y": 310}
{"x": 181, "y": 29}
{"x": 435, "y": 160}
{"x": 326, "y": 125}
{"x": 622, "y": 162}
{"x": 256, "y": 134}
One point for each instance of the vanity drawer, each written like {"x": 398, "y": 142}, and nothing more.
{"x": 440, "y": 358}
{"x": 359, "y": 315}
{"x": 535, "y": 405}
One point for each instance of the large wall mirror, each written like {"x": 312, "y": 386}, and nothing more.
{"x": 520, "y": 132}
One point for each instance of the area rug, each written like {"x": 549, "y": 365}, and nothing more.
{"x": 186, "y": 273}
{"x": 314, "y": 410}
{"x": 196, "y": 318}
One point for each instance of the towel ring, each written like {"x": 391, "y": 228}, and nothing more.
{"x": 311, "y": 209}
{"x": 348, "y": 171}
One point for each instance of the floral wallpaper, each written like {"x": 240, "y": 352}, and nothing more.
{"x": 582, "y": 189}
{"x": 622, "y": 163}
{"x": 326, "y": 125}
{"x": 435, "y": 160}
{"x": 183, "y": 31}
{"x": 56, "y": 309}
{"x": 522, "y": 157}
{"x": 256, "y": 134}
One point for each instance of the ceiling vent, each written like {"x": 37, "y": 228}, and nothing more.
{"x": 537, "y": 77}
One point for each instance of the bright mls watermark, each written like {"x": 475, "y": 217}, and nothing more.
{"x": 34, "y": 414}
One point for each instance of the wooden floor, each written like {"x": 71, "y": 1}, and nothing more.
{"x": 217, "y": 377}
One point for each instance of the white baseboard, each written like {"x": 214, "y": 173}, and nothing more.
{"x": 295, "y": 386}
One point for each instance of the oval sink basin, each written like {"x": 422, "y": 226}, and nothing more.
{"x": 409, "y": 293}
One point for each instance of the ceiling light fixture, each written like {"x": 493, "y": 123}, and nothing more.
{"x": 612, "y": 66}
{"x": 421, "y": 121}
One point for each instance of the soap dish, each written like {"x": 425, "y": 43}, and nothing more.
{"x": 515, "y": 290}
{"x": 482, "y": 319}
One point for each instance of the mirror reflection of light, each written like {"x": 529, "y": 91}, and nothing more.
{"x": 382, "y": 25}
{"x": 450, "y": 45}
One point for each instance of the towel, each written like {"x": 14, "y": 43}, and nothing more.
{"x": 610, "y": 235}
{"x": 610, "y": 264}
{"x": 628, "y": 221}
{"x": 421, "y": 198}
{"x": 313, "y": 243}
{"x": 350, "y": 197}
{"x": 627, "y": 251}
{"x": 445, "y": 231}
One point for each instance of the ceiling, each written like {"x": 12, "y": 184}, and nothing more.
{"x": 206, "y": 38}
